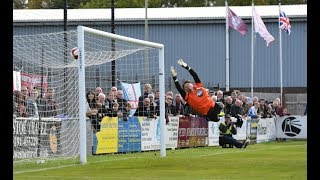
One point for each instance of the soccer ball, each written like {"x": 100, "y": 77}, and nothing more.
{"x": 74, "y": 52}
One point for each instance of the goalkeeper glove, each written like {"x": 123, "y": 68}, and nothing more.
{"x": 183, "y": 64}
{"x": 173, "y": 72}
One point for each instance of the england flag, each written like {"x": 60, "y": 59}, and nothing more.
{"x": 284, "y": 22}
{"x": 131, "y": 93}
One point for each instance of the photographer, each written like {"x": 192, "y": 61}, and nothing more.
{"x": 227, "y": 129}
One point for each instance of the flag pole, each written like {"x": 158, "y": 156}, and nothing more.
{"x": 280, "y": 55}
{"x": 252, "y": 36}
{"x": 227, "y": 49}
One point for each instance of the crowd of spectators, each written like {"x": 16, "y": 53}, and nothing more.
{"x": 100, "y": 103}
{"x": 28, "y": 103}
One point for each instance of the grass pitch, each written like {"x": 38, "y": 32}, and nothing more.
{"x": 270, "y": 160}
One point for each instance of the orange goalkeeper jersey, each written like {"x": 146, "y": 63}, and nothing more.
{"x": 199, "y": 99}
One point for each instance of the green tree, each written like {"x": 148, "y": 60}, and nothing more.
{"x": 76, "y": 4}
{"x": 54, "y": 4}
{"x": 37, "y": 4}
{"x": 118, "y": 4}
{"x": 19, "y": 4}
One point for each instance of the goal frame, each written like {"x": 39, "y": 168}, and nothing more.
{"x": 81, "y": 30}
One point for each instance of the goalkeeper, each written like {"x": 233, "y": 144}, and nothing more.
{"x": 196, "y": 95}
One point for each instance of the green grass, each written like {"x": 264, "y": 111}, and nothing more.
{"x": 272, "y": 160}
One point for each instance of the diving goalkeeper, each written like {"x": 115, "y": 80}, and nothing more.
{"x": 196, "y": 95}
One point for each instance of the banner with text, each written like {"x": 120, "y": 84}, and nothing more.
{"x": 266, "y": 130}
{"x": 151, "y": 133}
{"x": 33, "y": 138}
{"x": 193, "y": 131}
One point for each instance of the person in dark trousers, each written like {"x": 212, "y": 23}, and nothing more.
{"x": 196, "y": 95}
{"x": 227, "y": 129}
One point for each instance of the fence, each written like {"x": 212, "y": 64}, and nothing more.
{"x": 33, "y": 139}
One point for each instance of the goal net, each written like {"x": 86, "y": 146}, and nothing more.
{"x": 67, "y": 107}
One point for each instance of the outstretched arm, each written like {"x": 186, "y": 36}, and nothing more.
{"x": 176, "y": 82}
{"x": 191, "y": 71}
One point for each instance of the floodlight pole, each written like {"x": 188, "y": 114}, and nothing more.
{"x": 113, "y": 63}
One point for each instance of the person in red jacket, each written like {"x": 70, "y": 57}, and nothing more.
{"x": 196, "y": 95}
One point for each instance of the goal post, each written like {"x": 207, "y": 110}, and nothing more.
{"x": 82, "y": 30}
{"x": 54, "y": 124}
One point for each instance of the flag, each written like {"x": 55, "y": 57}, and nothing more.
{"x": 16, "y": 80}
{"x": 236, "y": 22}
{"x": 131, "y": 93}
{"x": 284, "y": 22}
{"x": 260, "y": 28}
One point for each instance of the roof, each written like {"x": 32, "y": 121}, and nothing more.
{"x": 177, "y": 13}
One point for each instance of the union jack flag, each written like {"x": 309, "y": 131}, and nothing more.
{"x": 284, "y": 22}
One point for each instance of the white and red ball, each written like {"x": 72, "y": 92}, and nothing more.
{"x": 74, "y": 53}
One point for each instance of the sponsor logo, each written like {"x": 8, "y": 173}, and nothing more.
{"x": 291, "y": 126}
{"x": 199, "y": 93}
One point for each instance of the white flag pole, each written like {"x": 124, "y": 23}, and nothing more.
{"x": 227, "y": 49}
{"x": 280, "y": 55}
{"x": 252, "y": 37}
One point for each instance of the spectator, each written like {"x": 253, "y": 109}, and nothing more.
{"x": 151, "y": 97}
{"x": 157, "y": 97}
{"x": 98, "y": 90}
{"x": 114, "y": 89}
{"x": 18, "y": 104}
{"x": 234, "y": 96}
{"x": 120, "y": 99}
{"x": 285, "y": 112}
{"x": 125, "y": 112}
{"x": 261, "y": 107}
{"x": 101, "y": 100}
{"x": 147, "y": 89}
{"x": 154, "y": 105}
{"x": 91, "y": 108}
{"x": 245, "y": 105}
{"x": 188, "y": 110}
{"x": 102, "y": 111}
{"x": 146, "y": 110}
{"x": 32, "y": 104}
{"x": 170, "y": 109}
{"x": 279, "y": 101}
{"x": 273, "y": 107}
{"x": 267, "y": 110}
{"x": 220, "y": 97}
{"x": 227, "y": 105}
{"x": 111, "y": 98}
{"x": 178, "y": 104}
{"x": 31, "y": 109}
{"x": 227, "y": 129}
{"x": 255, "y": 99}
{"x": 48, "y": 106}
{"x": 237, "y": 112}
{"x": 212, "y": 93}
{"x": 170, "y": 93}
{"x": 253, "y": 111}
{"x": 214, "y": 98}
{"x": 114, "y": 110}
{"x": 279, "y": 109}
{"x": 91, "y": 99}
